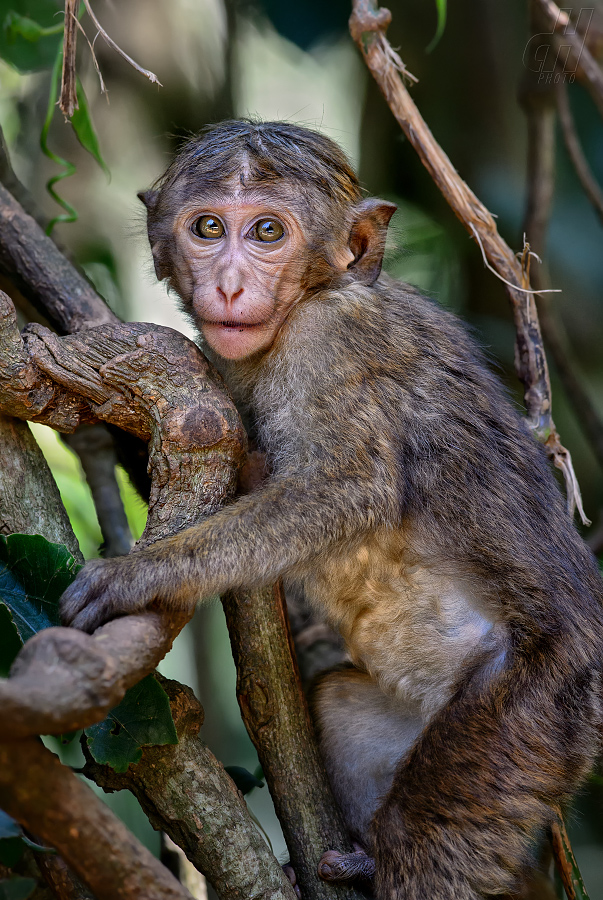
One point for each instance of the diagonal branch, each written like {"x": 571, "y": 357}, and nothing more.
{"x": 559, "y": 25}
{"x": 367, "y": 27}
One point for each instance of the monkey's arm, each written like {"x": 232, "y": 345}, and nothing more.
{"x": 252, "y": 542}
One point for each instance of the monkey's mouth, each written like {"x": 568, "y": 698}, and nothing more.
{"x": 234, "y": 325}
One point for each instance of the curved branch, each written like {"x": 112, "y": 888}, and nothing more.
{"x": 51, "y": 801}
{"x": 367, "y": 26}
{"x": 155, "y": 383}
{"x": 575, "y": 152}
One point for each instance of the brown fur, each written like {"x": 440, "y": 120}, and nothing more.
{"x": 409, "y": 500}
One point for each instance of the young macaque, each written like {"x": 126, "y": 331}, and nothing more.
{"x": 408, "y": 499}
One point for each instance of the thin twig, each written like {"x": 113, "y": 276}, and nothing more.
{"x": 584, "y": 64}
{"x": 586, "y": 178}
{"x": 68, "y": 96}
{"x": 103, "y": 87}
{"x": 109, "y": 40}
{"x": 367, "y": 26}
{"x": 538, "y": 103}
{"x": 565, "y": 861}
{"x": 504, "y": 280}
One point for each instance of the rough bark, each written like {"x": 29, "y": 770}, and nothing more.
{"x": 30, "y": 502}
{"x": 50, "y": 800}
{"x": 43, "y": 274}
{"x": 157, "y": 384}
{"x": 186, "y": 793}
{"x": 276, "y": 717}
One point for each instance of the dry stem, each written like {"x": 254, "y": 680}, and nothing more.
{"x": 367, "y": 27}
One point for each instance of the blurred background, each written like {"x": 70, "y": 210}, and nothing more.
{"x": 296, "y": 61}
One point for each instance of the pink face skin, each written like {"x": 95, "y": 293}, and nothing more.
{"x": 241, "y": 287}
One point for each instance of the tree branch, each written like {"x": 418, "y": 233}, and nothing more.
{"x": 586, "y": 178}
{"x": 157, "y": 384}
{"x": 557, "y": 22}
{"x": 538, "y": 102}
{"x": 178, "y": 784}
{"x": 367, "y": 28}
{"x": 276, "y": 717}
{"x": 50, "y": 800}
{"x": 42, "y": 273}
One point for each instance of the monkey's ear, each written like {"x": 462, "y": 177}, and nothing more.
{"x": 367, "y": 238}
{"x": 149, "y": 198}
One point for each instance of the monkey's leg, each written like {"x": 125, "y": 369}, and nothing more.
{"x": 470, "y": 802}
{"x": 363, "y": 735}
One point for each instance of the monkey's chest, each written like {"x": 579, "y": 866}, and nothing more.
{"x": 410, "y": 626}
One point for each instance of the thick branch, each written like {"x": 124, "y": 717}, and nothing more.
{"x": 367, "y": 28}
{"x": 157, "y": 384}
{"x": 51, "y": 801}
{"x": 30, "y": 502}
{"x": 186, "y": 793}
{"x": 274, "y": 712}
{"x": 42, "y": 273}
{"x": 95, "y": 448}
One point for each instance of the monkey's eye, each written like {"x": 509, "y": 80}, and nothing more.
{"x": 208, "y": 227}
{"x": 267, "y": 231}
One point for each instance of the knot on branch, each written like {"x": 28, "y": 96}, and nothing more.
{"x": 155, "y": 383}
{"x": 364, "y": 20}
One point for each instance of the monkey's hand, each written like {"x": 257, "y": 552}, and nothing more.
{"x": 108, "y": 588}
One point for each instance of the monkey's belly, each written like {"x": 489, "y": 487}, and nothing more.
{"x": 404, "y": 620}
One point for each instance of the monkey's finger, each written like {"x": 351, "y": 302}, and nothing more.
{"x": 93, "y": 616}
{"x": 87, "y": 586}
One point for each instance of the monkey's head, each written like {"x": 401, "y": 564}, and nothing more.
{"x": 251, "y": 217}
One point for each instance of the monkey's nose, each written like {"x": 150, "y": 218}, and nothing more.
{"x": 230, "y": 298}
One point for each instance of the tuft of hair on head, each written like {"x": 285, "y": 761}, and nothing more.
{"x": 263, "y": 153}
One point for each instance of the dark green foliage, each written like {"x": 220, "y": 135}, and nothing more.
{"x": 33, "y": 575}
{"x": 142, "y": 718}
{"x": 17, "y": 888}
{"x": 30, "y": 33}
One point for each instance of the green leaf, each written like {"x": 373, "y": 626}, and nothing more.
{"x": 10, "y": 643}
{"x": 33, "y": 575}
{"x": 243, "y": 779}
{"x": 11, "y": 843}
{"x": 17, "y": 888}
{"x": 27, "y": 28}
{"x": 9, "y": 828}
{"x": 441, "y": 10}
{"x": 29, "y": 31}
{"x": 84, "y": 129}
{"x": 143, "y": 718}
{"x": 11, "y": 851}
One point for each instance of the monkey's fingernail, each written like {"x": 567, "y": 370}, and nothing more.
{"x": 325, "y": 870}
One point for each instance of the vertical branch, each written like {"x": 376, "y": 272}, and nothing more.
{"x": 277, "y": 719}
{"x": 68, "y": 98}
{"x": 538, "y": 102}
{"x": 565, "y": 862}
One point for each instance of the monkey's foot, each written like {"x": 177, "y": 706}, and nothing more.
{"x": 357, "y": 866}
{"x": 290, "y": 873}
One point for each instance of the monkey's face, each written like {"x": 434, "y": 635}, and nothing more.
{"x": 239, "y": 260}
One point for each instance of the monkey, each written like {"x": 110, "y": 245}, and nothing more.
{"x": 405, "y": 496}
